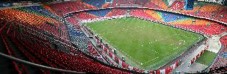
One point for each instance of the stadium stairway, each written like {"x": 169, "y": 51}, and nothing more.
{"x": 11, "y": 67}
{"x": 19, "y": 54}
{"x": 5, "y": 66}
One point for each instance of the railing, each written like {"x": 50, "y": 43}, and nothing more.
{"x": 38, "y": 65}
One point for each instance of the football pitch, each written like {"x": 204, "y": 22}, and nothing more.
{"x": 144, "y": 44}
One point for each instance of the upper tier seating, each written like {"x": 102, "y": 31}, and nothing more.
{"x": 23, "y": 17}
{"x": 37, "y": 10}
{"x": 161, "y": 4}
{"x": 200, "y": 9}
{"x": 220, "y": 64}
{"x": 96, "y": 3}
{"x": 50, "y": 25}
{"x": 100, "y": 13}
{"x": 116, "y": 12}
{"x": 177, "y": 5}
{"x": 208, "y": 10}
{"x": 122, "y": 2}
{"x": 141, "y": 2}
{"x": 222, "y": 15}
{"x": 69, "y": 7}
{"x": 168, "y": 17}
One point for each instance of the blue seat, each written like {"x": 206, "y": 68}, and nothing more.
{"x": 224, "y": 55}
{"x": 39, "y": 10}
{"x": 100, "y": 12}
{"x": 74, "y": 32}
{"x": 169, "y": 17}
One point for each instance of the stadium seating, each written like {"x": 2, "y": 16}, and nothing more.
{"x": 44, "y": 23}
{"x": 86, "y": 58}
{"x": 85, "y": 16}
{"x": 145, "y": 14}
{"x": 197, "y": 25}
{"x": 194, "y": 11}
{"x": 208, "y": 10}
{"x": 9, "y": 52}
{"x": 200, "y": 25}
{"x": 92, "y": 50}
{"x": 13, "y": 51}
{"x": 69, "y": 7}
{"x": 100, "y": 13}
{"x": 177, "y": 5}
{"x": 161, "y": 4}
{"x": 122, "y": 2}
{"x": 219, "y": 66}
{"x": 23, "y": 17}
{"x": 221, "y": 15}
{"x": 56, "y": 58}
{"x": 47, "y": 7}
{"x": 74, "y": 22}
{"x": 141, "y": 2}
{"x": 96, "y": 3}
{"x": 116, "y": 12}
{"x": 200, "y": 8}
{"x": 37, "y": 10}
{"x": 168, "y": 17}
{"x": 151, "y": 5}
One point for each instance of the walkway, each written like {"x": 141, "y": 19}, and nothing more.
{"x": 213, "y": 44}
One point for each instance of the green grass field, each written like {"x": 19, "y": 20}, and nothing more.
{"x": 206, "y": 58}
{"x": 145, "y": 44}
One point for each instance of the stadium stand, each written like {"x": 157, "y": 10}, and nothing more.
{"x": 145, "y": 14}
{"x": 219, "y": 65}
{"x": 86, "y": 57}
{"x": 85, "y": 16}
{"x": 74, "y": 22}
{"x": 198, "y": 25}
{"x": 122, "y": 2}
{"x": 48, "y": 8}
{"x": 221, "y": 15}
{"x": 52, "y": 55}
{"x": 161, "y": 4}
{"x": 96, "y": 3}
{"x": 116, "y": 12}
{"x": 151, "y": 5}
{"x": 208, "y": 10}
{"x": 194, "y": 11}
{"x": 9, "y": 52}
{"x": 168, "y": 17}
{"x": 37, "y": 10}
{"x": 80, "y": 65}
{"x": 177, "y": 6}
{"x": 154, "y": 14}
{"x": 100, "y": 13}
{"x": 69, "y": 7}
{"x": 51, "y": 25}
{"x": 141, "y": 2}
